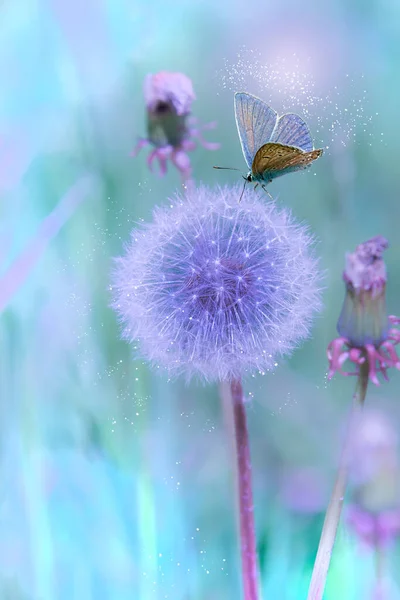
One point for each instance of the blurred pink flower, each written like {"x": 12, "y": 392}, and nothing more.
{"x": 366, "y": 332}
{"x": 304, "y": 490}
{"x": 374, "y": 445}
{"x": 374, "y": 470}
{"x": 374, "y": 529}
{"x": 170, "y": 128}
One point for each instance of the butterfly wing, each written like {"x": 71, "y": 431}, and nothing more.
{"x": 255, "y": 122}
{"x": 273, "y": 160}
{"x": 291, "y": 130}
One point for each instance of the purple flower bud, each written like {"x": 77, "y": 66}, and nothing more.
{"x": 170, "y": 129}
{"x": 216, "y": 288}
{"x": 173, "y": 89}
{"x": 374, "y": 529}
{"x": 366, "y": 332}
{"x": 363, "y": 319}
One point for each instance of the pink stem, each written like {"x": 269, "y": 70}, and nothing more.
{"x": 246, "y": 508}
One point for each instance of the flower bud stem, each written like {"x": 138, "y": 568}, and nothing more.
{"x": 379, "y": 592}
{"x": 246, "y": 508}
{"x": 332, "y": 517}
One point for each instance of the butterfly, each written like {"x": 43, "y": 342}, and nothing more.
{"x": 272, "y": 146}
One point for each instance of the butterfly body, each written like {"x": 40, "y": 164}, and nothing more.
{"x": 272, "y": 146}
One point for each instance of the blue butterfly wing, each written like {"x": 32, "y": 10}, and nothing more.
{"x": 274, "y": 160}
{"x": 270, "y": 175}
{"x": 255, "y": 122}
{"x": 293, "y": 131}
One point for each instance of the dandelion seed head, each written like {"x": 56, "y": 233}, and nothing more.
{"x": 215, "y": 288}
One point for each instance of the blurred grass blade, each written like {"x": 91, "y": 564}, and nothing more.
{"x": 49, "y": 228}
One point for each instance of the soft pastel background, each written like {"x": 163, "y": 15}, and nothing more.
{"x": 115, "y": 483}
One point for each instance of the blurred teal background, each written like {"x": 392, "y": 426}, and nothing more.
{"x": 115, "y": 483}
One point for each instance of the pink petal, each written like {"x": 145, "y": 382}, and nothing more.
{"x": 163, "y": 154}
{"x": 394, "y": 320}
{"x": 188, "y": 145}
{"x": 372, "y": 358}
{"x": 356, "y": 356}
{"x": 208, "y": 126}
{"x": 151, "y": 158}
{"x": 208, "y": 145}
{"x": 394, "y": 335}
{"x": 140, "y": 144}
{"x": 389, "y": 348}
{"x": 182, "y": 162}
{"x": 336, "y": 356}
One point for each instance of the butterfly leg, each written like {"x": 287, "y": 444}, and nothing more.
{"x": 244, "y": 187}
{"x": 265, "y": 190}
{"x": 256, "y": 186}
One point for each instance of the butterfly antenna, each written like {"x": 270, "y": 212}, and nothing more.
{"x": 227, "y": 168}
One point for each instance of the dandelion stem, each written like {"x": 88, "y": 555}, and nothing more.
{"x": 246, "y": 508}
{"x": 332, "y": 517}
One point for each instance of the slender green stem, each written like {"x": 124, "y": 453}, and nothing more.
{"x": 332, "y": 517}
{"x": 379, "y": 570}
{"x": 246, "y": 508}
